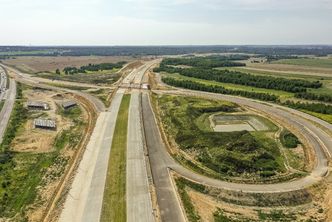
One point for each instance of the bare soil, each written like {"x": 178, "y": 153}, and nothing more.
{"x": 206, "y": 206}
{"x": 31, "y": 139}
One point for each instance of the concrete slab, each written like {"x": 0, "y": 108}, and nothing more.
{"x": 139, "y": 205}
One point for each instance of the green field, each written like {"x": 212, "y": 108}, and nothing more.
{"x": 312, "y": 62}
{"x": 219, "y": 154}
{"x": 114, "y": 202}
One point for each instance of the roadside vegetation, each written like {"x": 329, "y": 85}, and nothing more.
{"x": 223, "y": 155}
{"x": 24, "y": 174}
{"x": 288, "y": 139}
{"x": 114, "y": 202}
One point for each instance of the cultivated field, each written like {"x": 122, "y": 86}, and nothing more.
{"x": 34, "y": 64}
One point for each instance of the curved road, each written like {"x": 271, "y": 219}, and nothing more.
{"x": 318, "y": 139}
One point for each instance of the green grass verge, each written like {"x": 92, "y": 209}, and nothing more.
{"x": 114, "y": 202}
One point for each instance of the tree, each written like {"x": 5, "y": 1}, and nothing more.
{"x": 57, "y": 71}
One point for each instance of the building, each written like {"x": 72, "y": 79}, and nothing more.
{"x": 69, "y": 104}
{"x": 145, "y": 86}
{"x": 37, "y": 105}
{"x": 45, "y": 124}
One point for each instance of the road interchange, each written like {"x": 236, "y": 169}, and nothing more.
{"x": 85, "y": 199}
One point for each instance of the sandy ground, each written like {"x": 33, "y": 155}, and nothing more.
{"x": 40, "y": 140}
{"x": 206, "y": 206}
{"x": 32, "y": 64}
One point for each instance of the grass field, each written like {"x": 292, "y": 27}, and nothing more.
{"x": 312, "y": 62}
{"x": 114, "y": 202}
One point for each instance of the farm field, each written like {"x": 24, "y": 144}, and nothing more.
{"x": 325, "y": 62}
{"x": 294, "y": 69}
{"x": 35, "y": 64}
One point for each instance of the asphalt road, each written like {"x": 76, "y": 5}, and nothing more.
{"x": 317, "y": 138}
{"x": 139, "y": 206}
{"x": 85, "y": 198}
{"x": 160, "y": 161}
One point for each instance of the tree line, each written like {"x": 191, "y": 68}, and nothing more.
{"x": 240, "y": 78}
{"x": 312, "y": 107}
{"x": 313, "y": 96}
{"x": 188, "y": 84}
{"x": 92, "y": 68}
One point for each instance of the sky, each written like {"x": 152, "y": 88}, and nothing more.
{"x": 165, "y": 22}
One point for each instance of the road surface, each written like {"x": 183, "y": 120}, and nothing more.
{"x": 160, "y": 161}
{"x": 85, "y": 198}
{"x": 7, "y": 108}
{"x": 139, "y": 206}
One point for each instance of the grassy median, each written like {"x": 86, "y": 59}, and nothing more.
{"x": 114, "y": 203}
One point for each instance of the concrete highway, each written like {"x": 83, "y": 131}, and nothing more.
{"x": 85, "y": 198}
{"x": 9, "y": 96}
{"x": 139, "y": 206}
